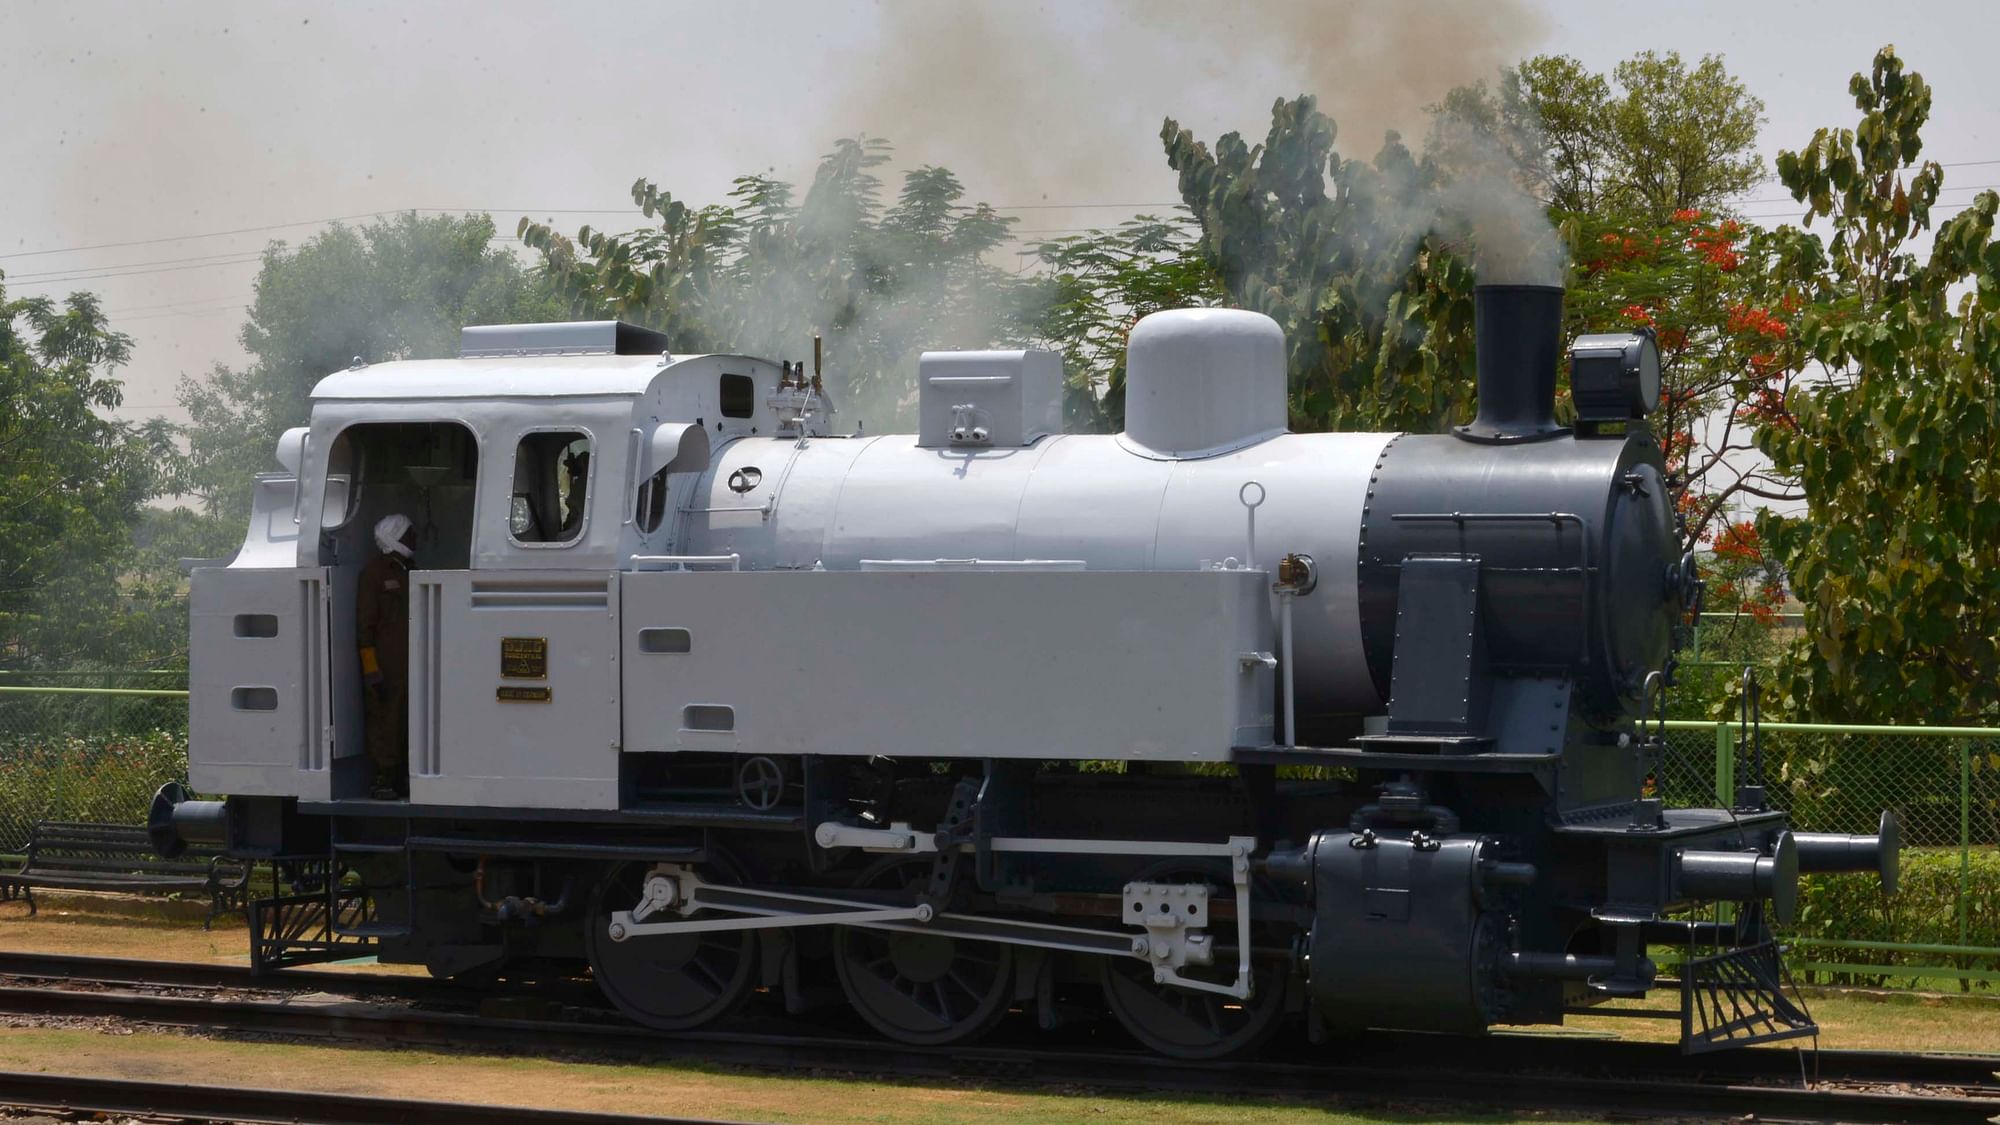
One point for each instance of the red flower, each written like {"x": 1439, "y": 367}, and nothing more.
{"x": 1739, "y": 542}
{"x": 1687, "y": 215}
{"x": 1746, "y": 319}
{"x": 1637, "y": 314}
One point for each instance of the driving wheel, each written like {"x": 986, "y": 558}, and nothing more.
{"x": 1189, "y": 1024}
{"x": 928, "y": 989}
{"x": 671, "y": 982}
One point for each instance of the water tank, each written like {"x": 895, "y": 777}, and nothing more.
{"x": 1203, "y": 381}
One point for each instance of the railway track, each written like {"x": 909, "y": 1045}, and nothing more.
{"x": 1507, "y": 1071}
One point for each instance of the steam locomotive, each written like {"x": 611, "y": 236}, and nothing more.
{"x": 1204, "y": 724}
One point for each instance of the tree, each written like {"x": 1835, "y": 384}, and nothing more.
{"x": 1096, "y": 288}
{"x": 762, "y": 274}
{"x": 1890, "y": 425}
{"x": 1657, "y": 137}
{"x": 1640, "y": 169}
{"x": 396, "y": 289}
{"x": 1348, "y": 257}
{"x": 72, "y": 485}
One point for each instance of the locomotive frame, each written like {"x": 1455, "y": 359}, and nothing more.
{"x": 1204, "y": 723}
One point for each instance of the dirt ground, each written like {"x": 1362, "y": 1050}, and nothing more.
{"x": 121, "y": 926}
{"x": 660, "y": 1088}
{"x": 82, "y": 924}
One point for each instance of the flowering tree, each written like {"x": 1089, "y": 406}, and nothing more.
{"x": 1702, "y": 282}
{"x": 1638, "y": 167}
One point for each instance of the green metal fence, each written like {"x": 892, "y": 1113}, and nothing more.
{"x": 1943, "y": 783}
{"x": 85, "y": 753}
{"x": 73, "y": 749}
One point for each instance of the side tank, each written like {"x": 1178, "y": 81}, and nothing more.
{"x": 1099, "y": 499}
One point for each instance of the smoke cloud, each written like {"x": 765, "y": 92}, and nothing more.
{"x": 1485, "y": 202}
{"x": 1063, "y": 101}
{"x": 1056, "y": 103}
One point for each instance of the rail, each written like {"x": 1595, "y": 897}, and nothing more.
{"x": 1504, "y": 1070}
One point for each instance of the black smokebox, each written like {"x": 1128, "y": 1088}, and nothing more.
{"x": 1517, "y": 330}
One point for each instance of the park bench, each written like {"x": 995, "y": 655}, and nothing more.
{"x": 68, "y": 855}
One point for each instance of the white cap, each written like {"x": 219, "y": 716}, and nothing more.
{"x": 389, "y": 531}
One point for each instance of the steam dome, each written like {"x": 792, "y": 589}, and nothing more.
{"x": 1204, "y": 381}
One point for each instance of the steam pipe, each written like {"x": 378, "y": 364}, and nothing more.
{"x": 1285, "y": 596}
{"x": 1571, "y": 966}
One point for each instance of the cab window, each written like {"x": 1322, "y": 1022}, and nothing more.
{"x": 739, "y": 396}
{"x": 551, "y": 487}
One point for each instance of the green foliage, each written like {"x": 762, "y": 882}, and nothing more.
{"x": 763, "y": 273}
{"x": 1343, "y": 255}
{"x": 401, "y": 288}
{"x": 1657, "y": 137}
{"x": 1639, "y": 169}
{"x": 1098, "y": 286}
{"x": 1924, "y": 911}
{"x": 72, "y": 484}
{"x": 1365, "y": 265}
{"x": 1897, "y": 444}
{"x": 107, "y": 778}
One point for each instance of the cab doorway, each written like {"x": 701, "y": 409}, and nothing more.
{"x": 426, "y": 472}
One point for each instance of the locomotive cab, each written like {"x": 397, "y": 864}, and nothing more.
{"x": 532, "y": 467}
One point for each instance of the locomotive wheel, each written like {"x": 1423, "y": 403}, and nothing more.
{"x": 670, "y": 982}
{"x": 927, "y": 989}
{"x": 1183, "y": 1023}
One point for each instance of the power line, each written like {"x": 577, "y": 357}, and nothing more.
{"x": 17, "y": 278}
{"x": 1949, "y": 187}
{"x": 321, "y": 222}
{"x": 191, "y": 237}
{"x": 622, "y": 211}
{"x": 240, "y": 261}
{"x": 180, "y": 313}
{"x": 183, "y": 303}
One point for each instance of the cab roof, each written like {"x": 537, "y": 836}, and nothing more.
{"x": 542, "y": 376}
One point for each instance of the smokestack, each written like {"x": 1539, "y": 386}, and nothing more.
{"x": 1517, "y": 330}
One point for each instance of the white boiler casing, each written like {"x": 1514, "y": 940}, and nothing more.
{"x": 1099, "y": 499}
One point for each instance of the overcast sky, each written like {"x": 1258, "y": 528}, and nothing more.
{"x": 160, "y": 126}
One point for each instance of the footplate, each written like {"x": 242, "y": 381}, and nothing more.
{"x": 1740, "y": 997}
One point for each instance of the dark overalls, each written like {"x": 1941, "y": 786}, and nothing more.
{"x": 382, "y": 622}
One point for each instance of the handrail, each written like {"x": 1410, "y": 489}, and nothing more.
{"x": 683, "y": 562}
{"x": 13, "y": 690}
{"x": 1843, "y": 728}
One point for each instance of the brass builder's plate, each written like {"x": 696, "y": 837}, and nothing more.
{"x": 523, "y": 694}
{"x": 524, "y": 658}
